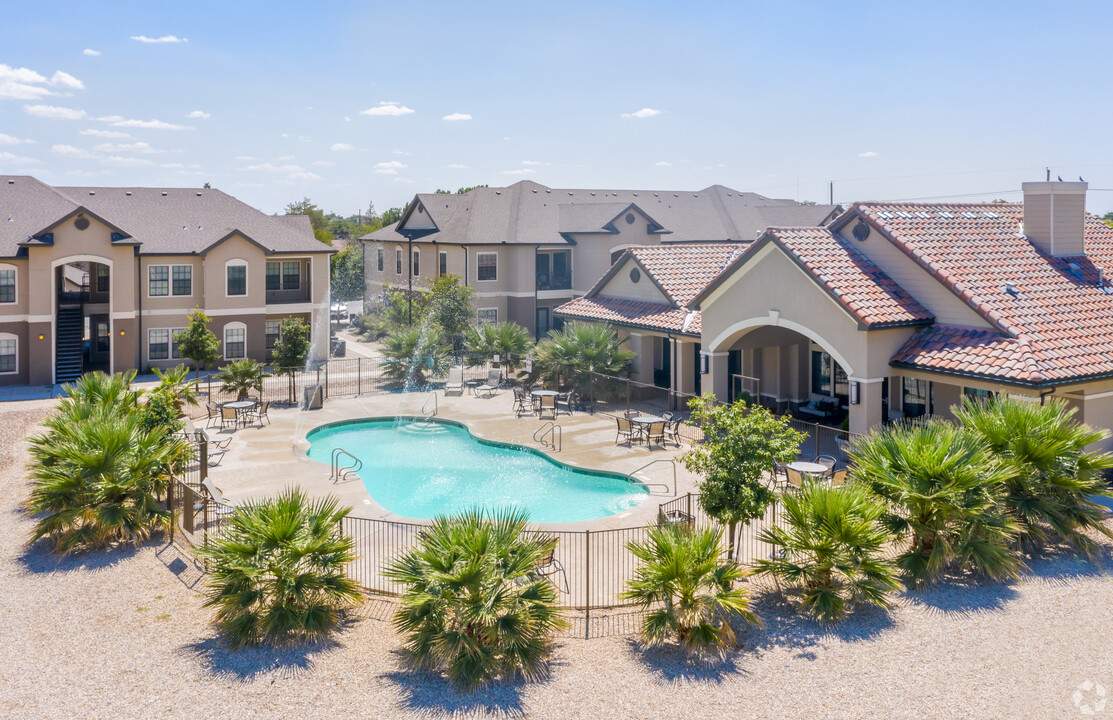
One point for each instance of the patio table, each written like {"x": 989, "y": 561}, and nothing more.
{"x": 540, "y": 394}
{"x": 643, "y": 422}
{"x": 241, "y": 407}
{"x": 810, "y": 468}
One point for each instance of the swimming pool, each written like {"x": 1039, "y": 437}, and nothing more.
{"x": 420, "y": 469}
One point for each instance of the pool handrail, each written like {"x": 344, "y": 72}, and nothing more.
{"x": 552, "y": 430}
{"x": 650, "y": 464}
{"x": 424, "y": 408}
{"x": 340, "y": 474}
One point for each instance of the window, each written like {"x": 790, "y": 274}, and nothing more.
{"x": 102, "y": 278}
{"x": 158, "y": 344}
{"x": 486, "y": 266}
{"x": 183, "y": 280}
{"x": 821, "y": 373}
{"x": 978, "y": 395}
{"x": 442, "y": 259}
{"x": 554, "y": 270}
{"x": 273, "y": 332}
{"x": 398, "y": 261}
{"x": 175, "y": 343}
{"x": 9, "y": 346}
{"x": 237, "y": 278}
{"x": 417, "y": 263}
{"x": 235, "y": 341}
{"x": 915, "y": 397}
{"x": 380, "y": 252}
{"x": 488, "y": 316}
{"x": 102, "y": 337}
{"x": 7, "y": 285}
{"x": 158, "y": 277}
{"x": 291, "y": 275}
{"x": 274, "y": 276}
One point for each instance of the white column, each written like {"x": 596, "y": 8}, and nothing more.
{"x": 717, "y": 381}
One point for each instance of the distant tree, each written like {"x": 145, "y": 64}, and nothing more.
{"x": 347, "y": 272}
{"x": 807, "y": 202}
{"x": 393, "y": 215}
{"x": 317, "y": 218}
{"x": 197, "y": 342}
{"x": 1107, "y": 218}
{"x": 207, "y": 186}
{"x": 999, "y": 201}
{"x": 463, "y": 190}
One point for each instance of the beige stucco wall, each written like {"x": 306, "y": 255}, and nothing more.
{"x": 622, "y": 286}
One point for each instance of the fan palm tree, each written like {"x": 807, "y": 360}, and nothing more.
{"x": 942, "y": 485}
{"x": 1051, "y": 475}
{"x": 831, "y": 549}
{"x": 687, "y": 590}
{"x": 510, "y": 341}
{"x": 241, "y": 377}
{"x": 99, "y": 390}
{"x": 277, "y": 570}
{"x": 176, "y": 384}
{"x": 475, "y": 606}
{"x": 580, "y": 353}
{"x": 97, "y": 472}
{"x": 417, "y": 353}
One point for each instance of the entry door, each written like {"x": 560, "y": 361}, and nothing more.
{"x": 542, "y": 322}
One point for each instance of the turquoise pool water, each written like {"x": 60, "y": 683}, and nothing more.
{"x": 421, "y": 469}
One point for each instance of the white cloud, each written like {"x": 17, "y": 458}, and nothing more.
{"x": 62, "y": 79}
{"x": 136, "y": 147}
{"x": 323, "y": 163}
{"x": 116, "y": 161}
{"x": 117, "y": 121}
{"x": 643, "y": 113}
{"x": 399, "y": 152}
{"x": 391, "y": 167}
{"x": 288, "y": 172}
{"x": 347, "y": 119}
{"x": 70, "y": 151}
{"x": 246, "y": 158}
{"x": 304, "y": 138}
{"x": 342, "y": 146}
{"x": 456, "y": 117}
{"x": 387, "y": 108}
{"x": 12, "y": 140}
{"x": 530, "y": 162}
{"x": 106, "y": 134}
{"x": 401, "y": 180}
{"x": 163, "y": 39}
{"x": 456, "y": 166}
{"x": 21, "y": 84}
{"x": 519, "y": 171}
{"x": 88, "y": 173}
{"x": 284, "y": 158}
{"x": 663, "y": 163}
{"x": 867, "y": 154}
{"x": 199, "y": 115}
{"x": 7, "y": 157}
{"x": 172, "y": 166}
{"x": 91, "y": 53}
{"x": 54, "y": 113}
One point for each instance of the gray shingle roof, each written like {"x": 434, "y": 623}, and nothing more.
{"x": 530, "y": 213}
{"x": 159, "y": 220}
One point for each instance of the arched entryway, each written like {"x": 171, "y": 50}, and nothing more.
{"x": 82, "y": 326}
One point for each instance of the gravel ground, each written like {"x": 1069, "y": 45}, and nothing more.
{"x": 122, "y": 635}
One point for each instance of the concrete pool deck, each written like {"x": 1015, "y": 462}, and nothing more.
{"x": 262, "y": 460}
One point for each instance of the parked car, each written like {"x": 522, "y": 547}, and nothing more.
{"x": 339, "y": 311}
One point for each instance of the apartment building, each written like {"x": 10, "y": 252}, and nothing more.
{"x": 528, "y": 248}
{"x": 103, "y": 277}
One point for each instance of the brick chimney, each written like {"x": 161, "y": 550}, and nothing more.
{"x": 1055, "y": 216}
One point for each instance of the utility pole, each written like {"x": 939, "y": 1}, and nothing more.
{"x": 831, "y": 193}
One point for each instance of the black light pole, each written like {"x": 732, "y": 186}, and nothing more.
{"x": 410, "y": 294}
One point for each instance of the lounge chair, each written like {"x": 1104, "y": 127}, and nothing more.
{"x": 224, "y": 506}
{"x": 656, "y": 432}
{"x": 626, "y": 430}
{"x": 454, "y": 385}
{"x": 494, "y": 380}
{"x": 548, "y": 403}
{"x": 838, "y": 479}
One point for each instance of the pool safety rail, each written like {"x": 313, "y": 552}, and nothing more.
{"x": 550, "y": 436}
{"x": 662, "y": 461}
{"x": 340, "y": 473}
{"x": 427, "y": 411}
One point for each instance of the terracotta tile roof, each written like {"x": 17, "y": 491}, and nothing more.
{"x": 632, "y": 313}
{"x": 1060, "y": 318}
{"x": 682, "y": 271}
{"x": 850, "y": 277}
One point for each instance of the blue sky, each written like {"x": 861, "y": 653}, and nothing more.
{"x": 351, "y": 102}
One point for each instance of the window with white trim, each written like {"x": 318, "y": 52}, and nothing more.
{"x": 7, "y": 284}
{"x": 158, "y": 344}
{"x": 236, "y": 274}
{"x": 235, "y": 341}
{"x": 274, "y": 331}
{"x": 175, "y": 343}
{"x": 9, "y": 349}
{"x": 486, "y": 266}
{"x": 283, "y": 275}
{"x": 181, "y": 280}
{"x": 102, "y": 278}
{"x": 488, "y": 316}
{"x": 165, "y": 280}
{"x": 158, "y": 280}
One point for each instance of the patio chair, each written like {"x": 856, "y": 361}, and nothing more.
{"x": 826, "y": 461}
{"x": 656, "y": 432}
{"x": 213, "y": 440}
{"x": 672, "y": 430}
{"x": 780, "y": 473}
{"x": 838, "y": 478}
{"x": 550, "y": 566}
{"x": 548, "y": 404}
{"x": 259, "y": 412}
{"x": 455, "y": 382}
{"x": 631, "y": 414}
{"x": 212, "y": 411}
{"x": 229, "y": 415}
{"x": 626, "y": 430}
{"x": 523, "y": 403}
{"x": 494, "y": 380}
{"x": 795, "y": 478}
{"x": 667, "y": 415}
{"x": 566, "y": 400}
{"x": 536, "y": 386}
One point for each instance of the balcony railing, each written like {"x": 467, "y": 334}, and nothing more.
{"x": 549, "y": 281}
{"x": 279, "y": 297}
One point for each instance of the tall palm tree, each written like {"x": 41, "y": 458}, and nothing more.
{"x": 97, "y": 473}
{"x": 942, "y": 485}
{"x": 831, "y": 549}
{"x": 277, "y": 570}
{"x": 1051, "y": 475}
{"x": 583, "y": 355}
{"x": 687, "y": 590}
{"x": 241, "y": 377}
{"x": 475, "y": 606}
{"x": 509, "y": 340}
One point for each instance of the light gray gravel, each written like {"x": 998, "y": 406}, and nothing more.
{"x": 122, "y": 635}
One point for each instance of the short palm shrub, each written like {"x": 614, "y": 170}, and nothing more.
{"x": 583, "y": 355}
{"x": 98, "y": 473}
{"x": 942, "y": 486}
{"x": 277, "y": 570}
{"x": 176, "y": 385}
{"x": 509, "y": 340}
{"x": 475, "y": 606}
{"x": 830, "y": 549}
{"x": 416, "y": 354}
{"x": 241, "y": 377}
{"x": 687, "y": 590}
{"x": 1051, "y": 476}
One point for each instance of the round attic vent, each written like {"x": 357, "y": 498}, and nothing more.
{"x": 861, "y": 231}
{"x": 81, "y": 222}
{"x": 629, "y": 218}
{"x": 635, "y": 275}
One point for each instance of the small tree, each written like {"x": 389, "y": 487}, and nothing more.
{"x": 241, "y": 377}
{"x": 581, "y": 352}
{"x": 510, "y": 341}
{"x": 452, "y": 306}
{"x": 739, "y": 447}
{"x": 291, "y": 350}
{"x": 413, "y": 352}
{"x": 178, "y": 387}
{"x": 197, "y": 342}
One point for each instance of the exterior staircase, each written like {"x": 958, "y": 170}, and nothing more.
{"x": 70, "y": 329}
